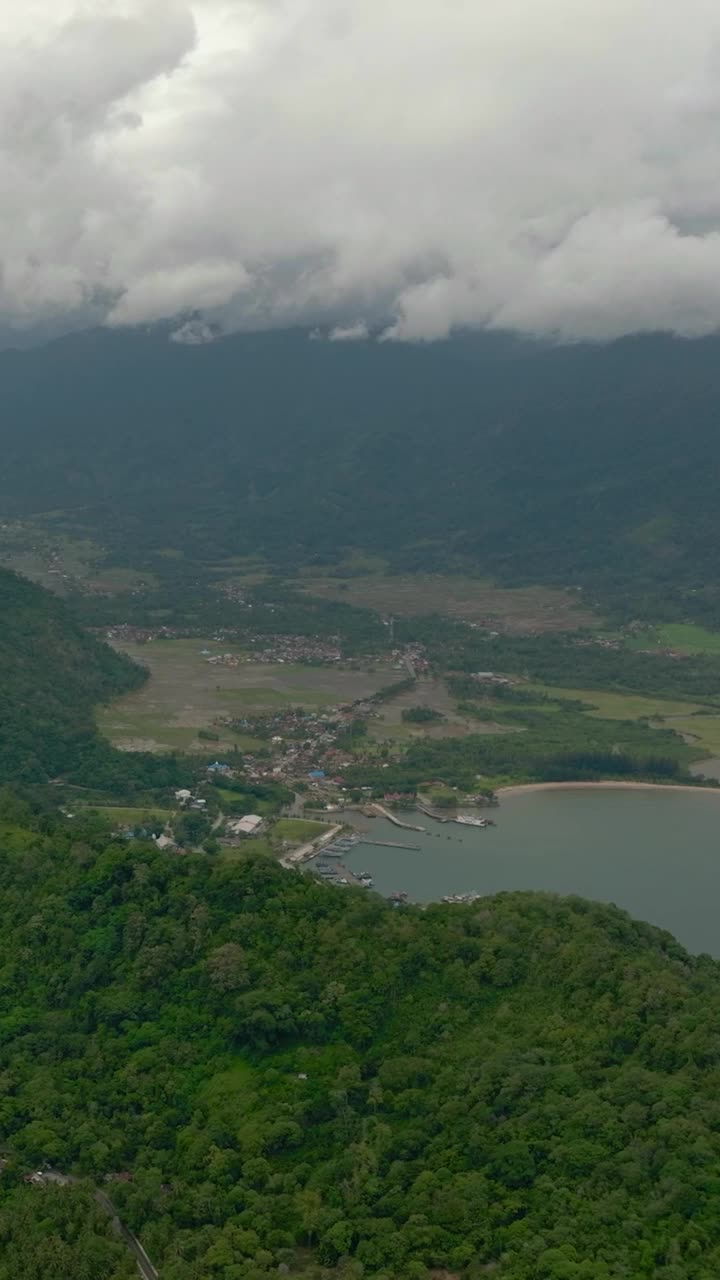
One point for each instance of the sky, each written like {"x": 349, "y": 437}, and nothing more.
{"x": 399, "y": 168}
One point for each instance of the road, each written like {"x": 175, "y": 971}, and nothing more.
{"x": 296, "y": 856}
{"x": 145, "y": 1266}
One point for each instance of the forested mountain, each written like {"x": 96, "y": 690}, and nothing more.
{"x": 295, "y": 1077}
{"x": 52, "y": 673}
{"x": 572, "y": 464}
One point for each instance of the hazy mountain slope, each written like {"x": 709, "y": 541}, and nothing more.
{"x": 51, "y": 674}
{"x": 584, "y": 463}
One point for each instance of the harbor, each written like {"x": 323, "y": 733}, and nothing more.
{"x": 652, "y": 852}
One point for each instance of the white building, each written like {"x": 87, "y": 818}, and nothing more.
{"x": 247, "y": 826}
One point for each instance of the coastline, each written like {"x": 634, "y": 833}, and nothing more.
{"x": 522, "y": 788}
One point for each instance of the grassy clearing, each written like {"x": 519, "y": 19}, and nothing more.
{"x": 127, "y": 816}
{"x": 239, "y": 803}
{"x": 254, "y": 845}
{"x": 520, "y": 609}
{"x": 434, "y": 694}
{"x": 187, "y": 693}
{"x": 683, "y": 637}
{"x": 298, "y": 830}
{"x": 264, "y": 697}
{"x": 704, "y": 729}
{"x": 620, "y": 706}
{"x": 689, "y": 638}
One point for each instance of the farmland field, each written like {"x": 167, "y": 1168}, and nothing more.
{"x": 186, "y": 693}
{"x": 689, "y": 638}
{"x": 434, "y": 694}
{"x": 620, "y": 706}
{"x": 519, "y": 609}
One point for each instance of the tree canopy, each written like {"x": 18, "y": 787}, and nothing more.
{"x": 294, "y": 1077}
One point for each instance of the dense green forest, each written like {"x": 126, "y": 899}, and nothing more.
{"x": 53, "y": 674}
{"x": 58, "y": 1233}
{"x": 578, "y": 464}
{"x": 297, "y": 1077}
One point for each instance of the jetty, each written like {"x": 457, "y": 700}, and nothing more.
{"x": 385, "y": 813}
{"x": 393, "y": 844}
{"x": 438, "y": 817}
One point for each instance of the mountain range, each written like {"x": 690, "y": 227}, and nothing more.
{"x": 582, "y": 465}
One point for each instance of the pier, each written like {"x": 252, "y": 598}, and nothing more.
{"x": 385, "y": 813}
{"x": 429, "y": 813}
{"x": 393, "y": 844}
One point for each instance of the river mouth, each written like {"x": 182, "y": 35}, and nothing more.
{"x": 654, "y": 852}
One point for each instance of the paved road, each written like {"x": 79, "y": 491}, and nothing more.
{"x": 145, "y": 1266}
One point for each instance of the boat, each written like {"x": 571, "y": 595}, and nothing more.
{"x": 472, "y": 822}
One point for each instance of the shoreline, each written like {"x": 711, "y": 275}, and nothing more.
{"x": 523, "y": 788}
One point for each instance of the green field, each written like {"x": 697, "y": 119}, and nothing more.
{"x": 238, "y": 852}
{"x": 687, "y": 718}
{"x": 620, "y": 706}
{"x": 683, "y": 637}
{"x": 705, "y": 730}
{"x": 298, "y": 830}
{"x": 516, "y": 609}
{"x": 127, "y": 816}
{"x": 429, "y": 692}
{"x": 187, "y": 693}
{"x": 689, "y": 638}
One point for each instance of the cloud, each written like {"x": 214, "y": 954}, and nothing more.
{"x": 417, "y": 165}
{"x": 357, "y": 332}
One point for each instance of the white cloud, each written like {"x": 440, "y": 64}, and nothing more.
{"x": 357, "y": 332}
{"x": 533, "y": 164}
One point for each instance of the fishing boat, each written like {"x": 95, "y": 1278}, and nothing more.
{"x": 472, "y": 822}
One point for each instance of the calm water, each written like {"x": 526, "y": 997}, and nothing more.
{"x": 654, "y": 853}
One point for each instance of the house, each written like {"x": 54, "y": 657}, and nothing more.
{"x": 247, "y": 826}
{"x": 219, "y": 767}
{"x": 164, "y": 842}
{"x": 183, "y": 795}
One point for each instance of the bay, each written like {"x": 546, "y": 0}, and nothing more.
{"x": 655, "y": 853}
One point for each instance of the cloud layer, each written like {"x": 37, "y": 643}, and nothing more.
{"x": 423, "y": 164}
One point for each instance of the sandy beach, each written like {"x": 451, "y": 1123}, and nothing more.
{"x": 526, "y": 787}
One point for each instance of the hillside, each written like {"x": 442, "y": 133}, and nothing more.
{"x": 294, "y": 1076}
{"x": 593, "y": 465}
{"x": 53, "y": 673}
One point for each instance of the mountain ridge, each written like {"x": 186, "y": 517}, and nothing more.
{"x": 581, "y": 465}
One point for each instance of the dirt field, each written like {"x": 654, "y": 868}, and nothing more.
{"x": 522, "y": 609}
{"x": 186, "y": 693}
